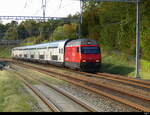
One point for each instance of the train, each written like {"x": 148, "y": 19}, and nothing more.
{"x": 79, "y": 54}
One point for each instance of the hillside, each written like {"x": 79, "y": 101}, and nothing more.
{"x": 113, "y": 24}
{"x": 118, "y": 63}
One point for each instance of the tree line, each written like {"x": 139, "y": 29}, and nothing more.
{"x": 38, "y": 31}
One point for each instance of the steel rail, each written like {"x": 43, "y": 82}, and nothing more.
{"x": 90, "y": 80}
{"x": 118, "y": 99}
{"x": 119, "y": 90}
{"x": 124, "y": 78}
{"x": 144, "y": 84}
{"x": 84, "y": 105}
{"x": 51, "y": 106}
{"x": 69, "y": 96}
{"x": 140, "y": 83}
{"x": 124, "y": 101}
{"x": 115, "y": 78}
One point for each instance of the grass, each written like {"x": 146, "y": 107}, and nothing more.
{"x": 145, "y": 69}
{"x": 117, "y": 63}
{"x": 12, "y": 98}
{"x": 5, "y": 51}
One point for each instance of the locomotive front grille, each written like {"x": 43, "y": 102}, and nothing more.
{"x": 91, "y": 67}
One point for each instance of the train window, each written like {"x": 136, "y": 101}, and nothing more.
{"x": 90, "y": 50}
{"x": 61, "y": 50}
{"x": 25, "y": 56}
{"x": 54, "y": 57}
{"x": 41, "y": 56}
{"x": 32, "y": 56}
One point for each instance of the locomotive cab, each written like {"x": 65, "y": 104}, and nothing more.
{"x": 90, "y": 58}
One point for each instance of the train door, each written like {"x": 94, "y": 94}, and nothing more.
{"x": 61, "y": 54}
{"x": 46, "y": 54}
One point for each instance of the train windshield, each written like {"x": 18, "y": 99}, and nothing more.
{"x": 90, "y": 50}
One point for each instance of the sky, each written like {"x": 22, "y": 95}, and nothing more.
{"x": 55, "y": 8}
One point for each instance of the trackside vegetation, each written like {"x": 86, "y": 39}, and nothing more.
{"x": 118, "y": 63}
{"x": 5, "y": 51}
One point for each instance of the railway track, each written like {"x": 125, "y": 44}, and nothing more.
{"x": 117, "y": 78}
{"x": 131, "y": 81}
{"x": 52, "y": 106}
{"x": 129, "y": 84}
{"x": 121, "y": 79}
{"x": 128, "y": 98}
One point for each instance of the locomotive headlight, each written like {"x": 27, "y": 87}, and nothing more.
{"x": 83, "y": 60}
{"x": 97, "y": 61}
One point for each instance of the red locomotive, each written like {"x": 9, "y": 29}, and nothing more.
{"x": 83, "y": 54}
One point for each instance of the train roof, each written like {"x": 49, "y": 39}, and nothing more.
{"x": 70, "y": 42}
{"x": 83, "y": 41}
{"x": 44, "y": 45}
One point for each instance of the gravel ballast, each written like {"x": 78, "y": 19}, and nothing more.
{"x": 101, "y": 103}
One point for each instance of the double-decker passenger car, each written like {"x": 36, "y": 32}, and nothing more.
{"x": 81, "y": 54}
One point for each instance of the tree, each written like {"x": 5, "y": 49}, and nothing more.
{"x": 31, "y": 27}
{"x": 2, "y": 30}
{"x": 11, "y": 34}
{"x": 22, "y": 32}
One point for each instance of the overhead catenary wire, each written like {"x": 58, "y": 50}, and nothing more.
{"x": 63, "y": 6}
{"x": 60, "y": 4}
{"x": 25, "y": 6}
